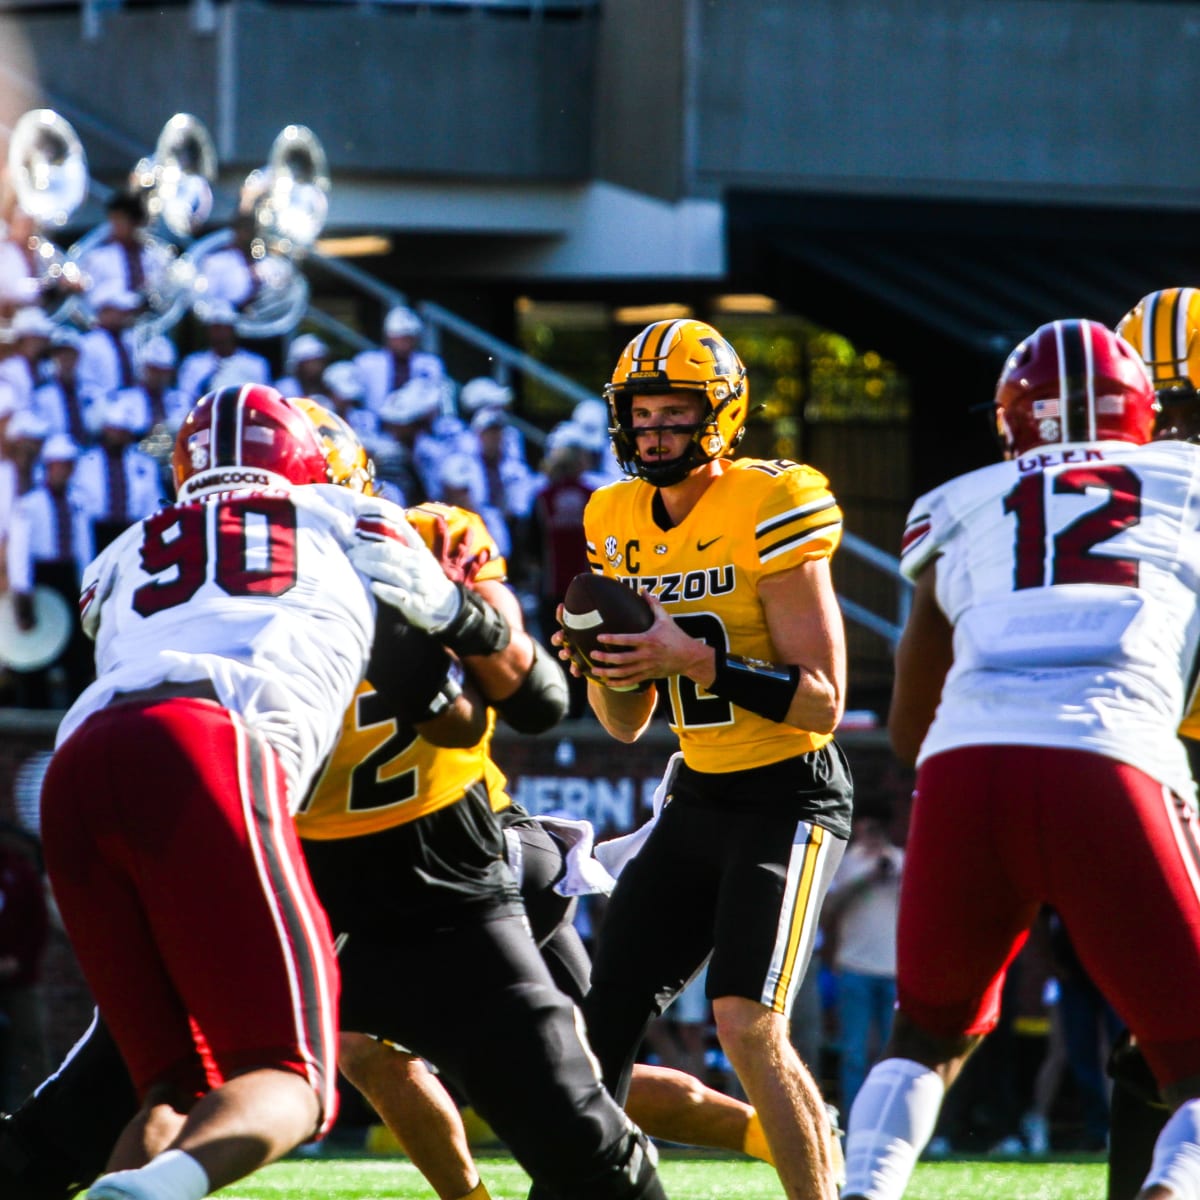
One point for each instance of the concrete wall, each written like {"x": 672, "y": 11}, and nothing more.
{"x": 1007, "y": 99}
{"x": 425, "y": 93}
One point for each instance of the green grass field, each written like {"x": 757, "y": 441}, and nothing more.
{"x": 686, "y": 1177}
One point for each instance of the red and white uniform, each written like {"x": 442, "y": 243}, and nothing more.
{"x": 1071, "y": 577}
{"x": 1052, "y": 771}
{"x": 167, "y": 819}
{"x": 251, "y": 590}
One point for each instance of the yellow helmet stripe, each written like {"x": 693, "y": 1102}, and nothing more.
{"x": 1165, "y": 334}
{"x": 654, "y": 345}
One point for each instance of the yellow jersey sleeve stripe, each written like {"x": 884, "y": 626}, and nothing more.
{"x": 776, "y": 523}
{"x": 811, "y": 534}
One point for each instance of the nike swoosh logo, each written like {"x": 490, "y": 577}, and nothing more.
{"x": 705, "y": 545}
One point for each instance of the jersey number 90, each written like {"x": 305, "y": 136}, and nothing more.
{"x": 248, "y": 544}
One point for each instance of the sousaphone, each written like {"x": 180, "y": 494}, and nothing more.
{"x": 289, "y": 201}
{"x": 48, "y": 172}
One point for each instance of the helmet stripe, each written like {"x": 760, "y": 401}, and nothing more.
{"x": 1149, "y": 347}
{"x": 1165, "y": 334}
{"x": 222, "y": 447}
{"x": 1064, "y": 390}
{"x": 663, "y": 335}
{"x": 1075, "y": 384}
{"x": 1089, "y": 378}
{"x": 1183, "y": 306}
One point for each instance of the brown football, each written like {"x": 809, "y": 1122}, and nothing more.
{"x": 596, "y": 604}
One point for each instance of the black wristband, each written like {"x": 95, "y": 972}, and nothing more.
{"x": 477, "y": 629}
{"x": 765, "y": 688}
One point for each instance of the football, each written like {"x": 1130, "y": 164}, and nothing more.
{"x": 596, "y": 604}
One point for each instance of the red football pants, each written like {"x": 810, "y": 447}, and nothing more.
{"x": 185, "y": 894}
{"x": 998, "y": 830}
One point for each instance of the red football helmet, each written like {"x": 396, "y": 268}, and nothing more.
{"x": 249, "y": 436}
{"x": 1073, "y": 381}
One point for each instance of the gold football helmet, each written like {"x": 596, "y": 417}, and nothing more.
{"x": 679, "y": 356}
{"x": 1164, "y": 327}
{"x": 346, "y": 460}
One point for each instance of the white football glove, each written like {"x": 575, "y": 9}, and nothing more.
{"x": 410, "y": 580}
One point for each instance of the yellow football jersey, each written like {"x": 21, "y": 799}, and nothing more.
{"x": 382, "y": 773}
{"x": 757, "y": 518}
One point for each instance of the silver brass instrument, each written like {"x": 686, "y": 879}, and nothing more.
{"x": 178, "y": 178}
{"x": 48, "y": 172}
{"x": 289, "y": 201}
{"x": 293, "y": 201}
{"x": 176, "y": 185}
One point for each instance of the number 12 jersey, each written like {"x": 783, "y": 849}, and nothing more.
{"x": 1071, "y": 578}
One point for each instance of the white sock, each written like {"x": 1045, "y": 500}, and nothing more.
{"x": 173, "y": 1175}
{"x": 891, "y": 1120}
{"x": 1176, "y": 1162}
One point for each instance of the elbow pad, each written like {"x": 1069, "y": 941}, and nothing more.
{"x": 542, "y": 699}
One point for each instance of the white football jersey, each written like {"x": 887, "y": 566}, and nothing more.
{"x": 251, "y": 590}
{"x": 1072, "y": 579}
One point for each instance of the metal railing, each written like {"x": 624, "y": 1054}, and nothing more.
{"x": 889, "y": 630}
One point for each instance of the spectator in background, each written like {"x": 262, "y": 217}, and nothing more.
{"x": 304, "y": 367}
{"x": 408, "y": 454}
{"x": 556, "y": 540}
{"x": 106, "y": 356}
{"x": 508, "y": 483}
{"x": 398, "y": 361}
{"x": 224, "y": 363}
{"x": 23, "y": 280}
{"x": 31, "y": 330}
{"x": 8, "y": 480}
{"x": 23, "y": 438}
{"x": 24, "y": 929}
{"x": 342, "y": 386}
{"x": 460, "y": 482}
{"x": 117, "y": 483}
{"x": 860, "y": 915}
{"x": 593, "y": 417}
{"x": 153, "y": 397}
{"x": 484, "y": 394}
{"x": 60, "y": 401}
{"x": 231, "y": 273}
{"x": 20, "y": 271}
{"x": 49, "y": 545}
{"x": 125, "y": 260}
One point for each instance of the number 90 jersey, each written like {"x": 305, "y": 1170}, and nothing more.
{"x": 1071, "y": 578}
{"x": 251, "y": 591}
{"x": 755, "y": 519}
